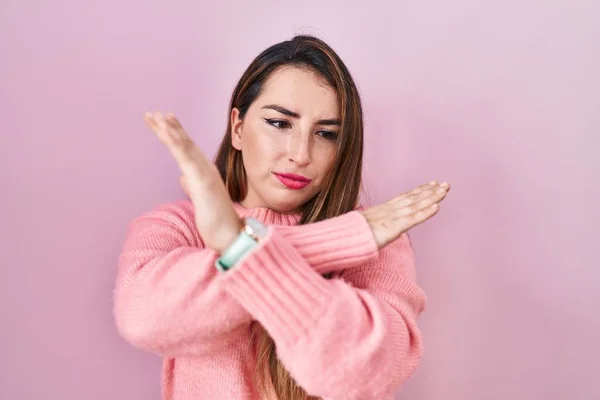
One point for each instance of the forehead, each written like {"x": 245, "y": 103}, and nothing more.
{"x": 300, "y": 90}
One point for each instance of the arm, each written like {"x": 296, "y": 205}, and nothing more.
{"x": 335, "y": 244}
{"x": 168, "y": 298}
{"x": 351, "y": 338}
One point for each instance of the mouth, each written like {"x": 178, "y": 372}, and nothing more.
{"x": 293, "y": 181}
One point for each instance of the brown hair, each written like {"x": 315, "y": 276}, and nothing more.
{"x": 341, "y": 190}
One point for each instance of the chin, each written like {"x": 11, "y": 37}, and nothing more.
{"x": 287, "y": 203}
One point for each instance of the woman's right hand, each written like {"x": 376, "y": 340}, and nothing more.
{"x": 216, "y": 219}
{"x": 391, "y": 219}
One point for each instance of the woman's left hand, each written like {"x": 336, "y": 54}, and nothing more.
{"x": 216, "y": 219}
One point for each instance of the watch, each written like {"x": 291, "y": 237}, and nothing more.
{"x": 252, "y": 233}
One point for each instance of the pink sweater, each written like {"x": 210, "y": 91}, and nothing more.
{"x": 351, "y": 337}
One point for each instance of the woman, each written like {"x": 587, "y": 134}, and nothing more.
{"x": 271, "y": 282}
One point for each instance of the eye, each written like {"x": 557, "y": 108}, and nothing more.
{"x": 328, "y": 135}
{"x": 278, "y": 123}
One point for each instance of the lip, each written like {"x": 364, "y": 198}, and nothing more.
{"x": 293, "y": 181}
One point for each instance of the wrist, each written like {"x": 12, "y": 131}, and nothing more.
{"x": 248, "y": 238}
{"x": 227, "y": 236}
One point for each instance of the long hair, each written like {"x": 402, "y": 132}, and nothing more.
{"x": 341, "y": 190}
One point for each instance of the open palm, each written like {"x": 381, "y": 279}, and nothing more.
{"x": 216, "y": 219}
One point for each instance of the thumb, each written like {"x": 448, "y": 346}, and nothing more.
{"x": 184, "y": 185}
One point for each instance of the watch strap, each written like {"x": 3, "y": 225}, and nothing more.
{"x": 247, "y": 240}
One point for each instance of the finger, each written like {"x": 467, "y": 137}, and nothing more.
{"x": 149, "y": 118}
{"x": 412, "y": 199}
{"x": 426, "y": 186}
{"x": 157, "y": 124}
{"x": 173, "y": 121}
{"x": 422, "y": 204}
{"x": 176, "y": 139}
{"x": 184, "y": 185}
{"x": 437, "y": 197}
{"x": 418, "y": 217}
{"x": 432, "y": 185}
{"x": 437, "y": 191}
{"x": 177, "y": 130}
{"x": 423, "y": 215}
{"x": 429, "y": 198}
{"x": 192, "y": 161}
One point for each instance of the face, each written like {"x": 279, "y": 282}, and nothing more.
{"x": 287, "y": 139}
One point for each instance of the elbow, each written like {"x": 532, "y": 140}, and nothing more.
{"x": 381, "y": 372}
{"x": 134, "y": 333}
{"x": 131, "y": 323}
{"x": 391, "y": 360}
{"x": 400, "y": 371}
{"x": 399, "y": 355}
{"x": 134, "y": 317}
{"x": 381, "y": 377}
{"x": 396, "y": 362}
{"x": 357, "y": 374}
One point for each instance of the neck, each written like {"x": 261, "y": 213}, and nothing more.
{"x": 267, "y": 215}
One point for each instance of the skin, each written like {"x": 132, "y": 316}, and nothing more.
{"x": 290, "y": 128}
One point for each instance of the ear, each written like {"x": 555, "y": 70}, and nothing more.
{"x": 236, "y": 129}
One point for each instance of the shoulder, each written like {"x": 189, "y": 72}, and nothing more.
{"x": 180, "y": 212}
{"x": 179, "y": 209}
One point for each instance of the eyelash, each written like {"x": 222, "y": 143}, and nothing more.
{"x": 329, "y": 135}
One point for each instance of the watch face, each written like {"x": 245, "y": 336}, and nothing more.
{"x": 255, "y": 229}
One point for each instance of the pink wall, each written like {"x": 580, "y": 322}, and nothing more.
{"x": 500, "y": 99}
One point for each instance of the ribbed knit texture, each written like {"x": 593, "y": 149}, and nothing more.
{"x": 350, "y": 337}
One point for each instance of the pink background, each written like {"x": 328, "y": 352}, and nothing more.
{"x": 500, "y": 98}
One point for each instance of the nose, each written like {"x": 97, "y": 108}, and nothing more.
{"x": 299, "y": 149}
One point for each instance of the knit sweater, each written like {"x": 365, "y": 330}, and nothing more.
{"x": 353, "y": 336}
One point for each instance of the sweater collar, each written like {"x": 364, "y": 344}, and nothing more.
{"x": 267, "y": 216}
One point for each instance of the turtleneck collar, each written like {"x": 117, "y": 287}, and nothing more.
{"x": 267, "y": 216}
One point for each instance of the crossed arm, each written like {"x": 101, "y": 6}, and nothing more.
{"x": 359, "y": 328}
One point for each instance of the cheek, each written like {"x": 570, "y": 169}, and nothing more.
{"x": 324, "y": 159}
{"x": 261, "y": 149}
{"x": 323, "y": 164}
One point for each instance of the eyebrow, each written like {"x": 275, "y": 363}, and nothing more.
{"x": 292, "y": 114}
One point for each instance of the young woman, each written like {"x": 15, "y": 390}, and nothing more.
{"x": 272, "y": 283}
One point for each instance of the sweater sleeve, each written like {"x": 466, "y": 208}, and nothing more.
{"x": 334, "y": 244}
{"x": 168, "y": 298}
{"x": 355, "y": 337}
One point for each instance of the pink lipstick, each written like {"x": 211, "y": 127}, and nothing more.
{"x": 293, "y": 181}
